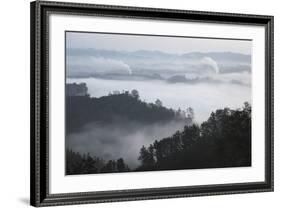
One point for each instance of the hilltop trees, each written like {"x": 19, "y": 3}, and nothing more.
{"x": 135, "y": 94}
{"x": 87, "y": 164}
{"x": 190, "y": 113}
{"x": 158, "y": 103}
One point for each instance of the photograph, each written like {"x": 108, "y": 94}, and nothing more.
{"x": 144, "y": 102}
{"x": 132, "y": 103}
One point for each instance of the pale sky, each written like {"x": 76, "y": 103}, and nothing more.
{"x": 161, "y": 43}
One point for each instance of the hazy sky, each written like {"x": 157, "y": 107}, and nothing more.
{"x": 165, "y": 44}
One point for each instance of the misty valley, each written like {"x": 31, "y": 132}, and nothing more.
{"x": 121, "y": 132}
{"x": 149, "y": 103}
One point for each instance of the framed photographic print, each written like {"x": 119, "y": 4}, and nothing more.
{"x": 131, "y": 103}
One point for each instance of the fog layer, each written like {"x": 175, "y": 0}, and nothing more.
{"x": 112, "y": 141}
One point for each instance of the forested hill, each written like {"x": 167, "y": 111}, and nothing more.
{"x": 121, "y": 107}
{"x": 224, "y": 140}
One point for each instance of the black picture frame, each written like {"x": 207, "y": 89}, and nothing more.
{"x": 39, "y": 187}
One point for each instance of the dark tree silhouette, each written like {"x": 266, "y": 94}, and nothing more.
{"x": 158, "y": 103}
{"x": 79, "y": 164}
{"x": 224, "y": 140}
{"x": 190, "y": 113}
{"x": 147, "y": 157}
{"x": 110, "y": 167}
{"x": 135, "y": 94}
{"x": 86, "y": 164}
{"x": 121, "y": 166}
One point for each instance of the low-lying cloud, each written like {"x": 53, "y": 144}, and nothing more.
{"x": 96, "y": 65}
{"x": 211, "y": 62}
{"x": 120, "y": 139}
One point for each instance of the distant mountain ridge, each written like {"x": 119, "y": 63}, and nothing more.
{"x": 221, "y": 56}
{"x": 218, "y": 56}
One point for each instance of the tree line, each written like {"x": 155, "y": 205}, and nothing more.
{"x": 86, "y": 164}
